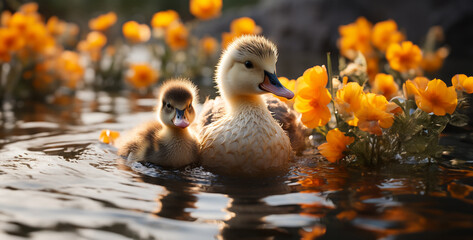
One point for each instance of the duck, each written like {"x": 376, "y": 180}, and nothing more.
{"x": 167, "y": 141}
{"x": 245, "y": 139}
{"x": 285, "y": 115}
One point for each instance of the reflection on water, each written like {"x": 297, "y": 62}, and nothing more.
{"x": 57, "y": 181}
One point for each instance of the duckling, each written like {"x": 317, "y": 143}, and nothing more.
{"x": 246, "y": 139}
{"x": 287, "y": 117}
{"x": 167, "y": 141}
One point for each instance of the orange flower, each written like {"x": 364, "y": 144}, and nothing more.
{"x": 5, "y": 18}
{"x": 163, "y": 19}
{"x": 385, "y": 33}
{"x": 244, "y": 26}
{"x": 28, "y": 8}
{"x": 176, "y": 36}
{"x": 435, "y": 97}
{"x": 372, "y": 114}
{"x": 10, "y": 40}
{"x": 239, "y": 27}
{"x": 404, "y": 56}
{"x": 372, "y": 66}
{"x": 108, "y": 136}
{"x": 209, "y": 45}
{"x": 349, "y": 98}
{"x": 463, "y": 83}
{"x": 355, "y": 37}
{"x": 55, "y": 26}
{"x": 69, "y": 68}
{"x": 411, "y": 87}
{"x": 227, "y": 38}
{"x": 93, "y": 42}
{"x": 135, "y": 32}
{"x": 141, "y": 75}
{"x": 21, "y": 22}
{"x": 103, "y": 22}
{"x": 289, "y": 84}
{"x": 433, "y": 61}
{"x": 205, "y": 9}
{"x": 384, "y": 84}
{"x": 312, "y": 97}
{"x": 335, "y": 146}
{"x": 38, "y": 38}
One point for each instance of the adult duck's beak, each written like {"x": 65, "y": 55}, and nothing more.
{"x": 271, "y": 84}
{"x": 180, "y": 119}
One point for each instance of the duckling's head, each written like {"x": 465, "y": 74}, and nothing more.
{"x": 248, "y": 67}
{"x": 177, "y": 98}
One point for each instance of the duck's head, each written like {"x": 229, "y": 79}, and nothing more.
{"x": 177, "y": 98}
{"x": 248, "y": 67}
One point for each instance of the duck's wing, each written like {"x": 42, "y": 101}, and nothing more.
{"x": 140, "y": 141}
{"x": 290, "y": 122}
{"x": 212, "y": 110}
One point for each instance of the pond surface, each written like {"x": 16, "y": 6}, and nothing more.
{"x": 57, "y": 181}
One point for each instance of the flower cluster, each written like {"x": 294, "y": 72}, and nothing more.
{"x": 379, "y": 117}
{"x": 34, "y": 51}
{"x": 385, "y": 43}
{"x": 40, "y": 65}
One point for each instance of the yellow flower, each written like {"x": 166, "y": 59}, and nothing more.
{"x": 244, "y": 26}
{"x": 209, "y": 45}
{"x": 135, "y": 32}
{"x": 163, "y": 19}
{"x": 93, "y": 42}
{"x": 335, "y": 146}
{"x": 355, "y": 37}
{"x": 463, "y": 83}
{"x": 436, "y": 97}
{"x": 385, "y": 33}
{"x": 176, "y": 36}
{"x": 289, "y": 84}
{"x": 108, "y": 136}
{"x": 349, "y": 97}
{"x": 433, "y": 61}
{"x": 103, "y": 22}
{"x": 384, "y": 84}
{"x": 372, "y": 114}
{"x": 141, "y": 75}
{"x": 404, "y": 56}
{"x": 312, "y": 97}
{"x": 205, "y": 9}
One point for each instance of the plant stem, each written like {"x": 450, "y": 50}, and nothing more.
{"x": 330, "y": 84}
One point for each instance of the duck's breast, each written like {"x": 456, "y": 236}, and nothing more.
{"x": 250, "y": 142}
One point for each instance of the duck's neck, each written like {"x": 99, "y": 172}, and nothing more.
{"x": 239, "y": 104}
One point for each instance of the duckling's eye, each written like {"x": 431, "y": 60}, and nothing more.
{"x": 248, "y": 64}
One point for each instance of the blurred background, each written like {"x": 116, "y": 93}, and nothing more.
{"x": 304, "y": 30}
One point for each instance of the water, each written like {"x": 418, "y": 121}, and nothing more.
{"x": 58, "y": 182}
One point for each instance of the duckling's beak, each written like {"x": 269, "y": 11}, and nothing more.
{"x": 180, "y": 119}
{"x": 271, "y": 84}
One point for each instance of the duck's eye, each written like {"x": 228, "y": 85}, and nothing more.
{"x": 168, "y": 105}
{"x": 248, "y": 64}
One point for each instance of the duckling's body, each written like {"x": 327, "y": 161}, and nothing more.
{"x": 285, "y": 116}
{"x": 246, "y": 139}
{"x": 167, "y": 141}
